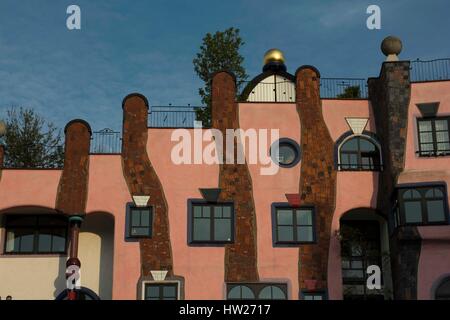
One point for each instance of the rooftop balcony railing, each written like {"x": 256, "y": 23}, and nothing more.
{"x": 343, "y": 88}
{"x": 106, "y": 141}
{"x": 431, "y": 70}
{"x": 172, "y": 116}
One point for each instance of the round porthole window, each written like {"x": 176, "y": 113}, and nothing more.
{"x": 287, "y": 154}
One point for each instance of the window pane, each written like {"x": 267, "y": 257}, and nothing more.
{"x": 434, "y": 193}
{"x": 353, "y": 161}
{"x": 426, "y": 137}
{"x": 59, "y": 240}
{"x": 152, "y": 291}
{"x": 206, "y": 211}
{"x": 197, "y": 211}
{"x": 135, "y": 218}
{"x": 45, "y": 241}
{"x": 413, "y": 212}
{"x": 202, "y": 229}
{"x": 145, "y": 218}
{"x": 284, "y": 217}
{"x": 241, "y": 292}
{"x": 366, "y": 145}
{"x": 442, "y": 136}
{"x": 411, "y": 194}
{"x": 443, "y": 146}
{"x": 357, "y": 264}
{"x": 226, "y": 211}
{"x": 272, "y": 293}
{"x": 169, "y": 292}
{"x": 441, "y": 125}
{"x": 286, "y": 154}
{"x": 285, "y": 233}
{"x": 350, "y": 145}
{"x": 304, "y": 234}
{"x": 218, "y": 212}
{"x": 222, "y": 229}
{"x": 425, "y": 126}
{"x": 140, "y": 231}
{"x": 350, "y": 273}
{"x": 436, "y": 211}
{"x": 304, "y": 217}
{"x": 26, "y": 240}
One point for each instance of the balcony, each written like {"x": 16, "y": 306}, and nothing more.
{"x": 172, "y": 116}
{"x": 431, "y": 70}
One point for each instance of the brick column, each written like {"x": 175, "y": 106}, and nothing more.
{"x": 73, "y": 185}
{"x": 2, "y": 159}
{"x": 236, "y": 184}
{"x": 390, "y": 96}
{"x": 141, "y": 178}
{"x": 317, "y": 177}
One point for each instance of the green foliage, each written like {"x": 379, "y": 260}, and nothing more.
{"x": 31, "y": 141}
{"x": 352, "y": 92}
{"x": 218, "y": 52}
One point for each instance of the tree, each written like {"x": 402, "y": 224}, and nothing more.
{"x": 31, "y": 141}
{"x": 350, "y": 92}
{"x": 218, "y": 52}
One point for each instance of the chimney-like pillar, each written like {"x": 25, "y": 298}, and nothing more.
{"x": 390, "y": 95}
{"x": 236, "y": 185}
{"x": 317, "y": 185}
{"x": 73, "y": 186}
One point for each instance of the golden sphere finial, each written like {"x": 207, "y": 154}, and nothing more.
{"x": 273, "y": 55}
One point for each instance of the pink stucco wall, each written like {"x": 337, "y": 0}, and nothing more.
{"x": 202, "y": 267}
{"x": 274, "y": 263}
{"x": 109, "y": 193}
{"x": 336, "y": 110}
{"x": 435, "y": 252}
{"x": 37, "y": 188}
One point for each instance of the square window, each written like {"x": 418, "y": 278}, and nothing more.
{"x": 313, "y": 295}
{"x": 422, "y": 205}
{"x": 434, "y": 137}
{"x": 139, "y": 222}
{"x": 293, "y": 225}
{"x": 210, "y": 223}
{"x": 161, "y": 291}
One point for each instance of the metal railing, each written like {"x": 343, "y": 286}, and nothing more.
{"x": 172, "y": 116}
{"x": 106, "y": 141}
{"x": 431, "y": 70}
{"x": 343, "y": 88}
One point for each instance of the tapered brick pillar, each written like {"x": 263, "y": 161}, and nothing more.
{"x": 142, "y": 180}
{"x": 390, "y": 95}
{"x": 317, "y": 177}
{"x": 73, "y": 185}
{"x": 236, "y": 184}
{"x": 2, "y": 158}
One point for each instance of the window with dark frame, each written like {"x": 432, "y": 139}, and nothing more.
{"x": 35, "y": 234}
{"x": 161, "y": 291}
{"x": 258, "y": 291}
{"x": 212, "y": 223}
{"x": 314, "y": 295}
{"x": 433, "y": 136}
{"x": 359, "y": 153}
{"x": 294, "y": 225}
{"x": 421, "y": 206}
{"x": 140, "y": 222}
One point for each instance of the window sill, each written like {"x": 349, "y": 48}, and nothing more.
{"x": 209, "y": 243}
{"x": 32, "y": 255}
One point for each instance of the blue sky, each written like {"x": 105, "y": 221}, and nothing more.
{"x": 148, "y": 47}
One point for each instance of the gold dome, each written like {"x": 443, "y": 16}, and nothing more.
{"x": 273, "y": 55}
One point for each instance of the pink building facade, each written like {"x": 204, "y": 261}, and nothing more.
{"x": 344, "y": 187}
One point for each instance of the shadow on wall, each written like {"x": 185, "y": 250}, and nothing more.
{"x": 95, "y": 251}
